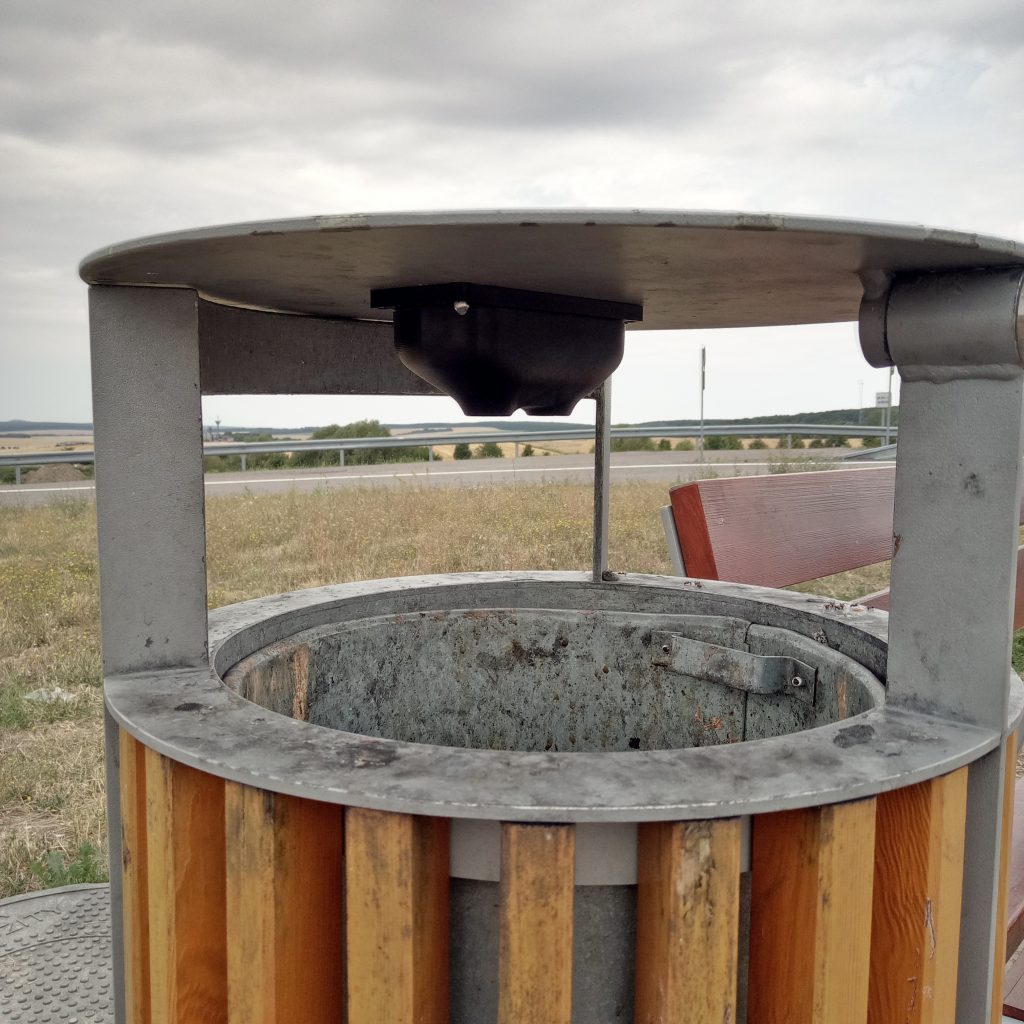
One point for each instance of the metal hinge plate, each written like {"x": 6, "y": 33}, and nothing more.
{"x": 740, "y": 670}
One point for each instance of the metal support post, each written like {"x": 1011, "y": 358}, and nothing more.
{"x": 602, "y": 474}
{"x": 150, "y": 511}
{"x": 17, "y": 474}
{"x": 341, "y": 457}
{"x": 242, "y": 457}
{"x": 955, "y": 338}
{"x": 430, "y": 453}
{"x": 700, "y": 442}
{"x": 516, "y": 454}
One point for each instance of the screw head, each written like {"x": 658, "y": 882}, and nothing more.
{"x": 797, "y": 682}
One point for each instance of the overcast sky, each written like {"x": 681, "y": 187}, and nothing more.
{"x": 119, "y": 120}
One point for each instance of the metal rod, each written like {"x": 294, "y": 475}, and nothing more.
{"x": 602, "y": 467}
{"x": 17, "y": 474}
{"x": 703, "y": 362}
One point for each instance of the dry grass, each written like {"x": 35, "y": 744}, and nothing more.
{"x": 51, "y": 789}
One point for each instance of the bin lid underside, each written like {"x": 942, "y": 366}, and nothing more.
{"x": 687, "y": 269}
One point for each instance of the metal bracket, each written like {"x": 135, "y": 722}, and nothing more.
{"x": 740, "y": 670}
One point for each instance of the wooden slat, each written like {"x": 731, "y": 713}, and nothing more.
{"x": 695, "y": 543}
{"x": 810, "y": 919}
{"x": 1005, "y": 853}
{"x": 185, "y": 835}
{"x": 915, "y": 930}
{"x": 285, "y": 908}
{"x": 778, "y": 530}
{"x": 134, "y": 878}
{"x": 396, "y": 871}
{"x": 688, "y": 894}
{"x": 535, "y": 931}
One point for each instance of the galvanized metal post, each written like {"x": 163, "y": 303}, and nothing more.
{"x": 341, "y": 457}
{"x": 242, "y": 457}
{"x": 602, "y": 474}
{"x": 150, "y": 510}
{"x": 956, "y": 339}
{"x": 17, "y": 474}
{"x": 430, "y": 453}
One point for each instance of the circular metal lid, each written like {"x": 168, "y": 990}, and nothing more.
{"x": 687, "y": 269}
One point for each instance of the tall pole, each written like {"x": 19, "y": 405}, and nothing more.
{"x": 860, "y": 401}
{"x": 703, "y": 363}
{"x": 888, "y": 411}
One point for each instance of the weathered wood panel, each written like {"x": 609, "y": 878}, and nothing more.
{"x": 1005, "y": 855}
{"x": 285, "y": 908}
{"x": 688, "y": 895}
{"x": 810, "y": 928}
{"x": 535, "y": 934}
{"x": 134, "y": 878}
{"x": 186, "y": 886}
{"x": 396, "y": 870}
{"x": 915, "y": 930}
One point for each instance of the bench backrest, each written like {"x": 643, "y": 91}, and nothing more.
{"x": 777, "y": 530}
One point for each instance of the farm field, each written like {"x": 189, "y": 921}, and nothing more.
{"x": 51, "y": 764}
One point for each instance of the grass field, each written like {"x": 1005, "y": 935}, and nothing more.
{"x": 51, "y": 773}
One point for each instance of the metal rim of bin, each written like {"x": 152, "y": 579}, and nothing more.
{"x": 192, "y": 717}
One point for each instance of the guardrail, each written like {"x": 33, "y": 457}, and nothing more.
{"x": 429, "y": 440}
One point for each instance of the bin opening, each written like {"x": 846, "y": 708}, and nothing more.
{"x": 538, "y": 679}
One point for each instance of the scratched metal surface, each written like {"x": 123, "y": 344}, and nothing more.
{"x": 189, "y": 714}
{"x": 687, "y": 268}
{"x": 55, "y": 957}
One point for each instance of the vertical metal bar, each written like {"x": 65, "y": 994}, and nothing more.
{"x": 430, "y": 453}
{"x": 17, "y": 474}
{"x": 516, "y": 456}
{"x": 149, "y": 495}
{"x": 602, "y": 474}
{"x": 111, "y": 741}
{"x": 341, "y": 457}
{"x": 700, "y": 443}
{"x": 242, "y": 457}
{"x": 675, "y": 552}
{"x": 955, "y": 528}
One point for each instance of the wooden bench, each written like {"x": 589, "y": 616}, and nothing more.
{"x": 779, "y": 530}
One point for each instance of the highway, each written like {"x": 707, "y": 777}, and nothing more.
{"x": 669, "y": 467}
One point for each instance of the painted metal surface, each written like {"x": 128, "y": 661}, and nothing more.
{"x": 686, "y": 268}
{"x": 191, "y": 716}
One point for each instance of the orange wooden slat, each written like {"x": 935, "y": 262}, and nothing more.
{"x": 132, "y": 756}
{"x": 915, "y": 930}
{"x": 396, "y": 871}
{"x": 285, "y": 908}
{"x": 688, "y": 893}
{"x": 810, "y": 916}
{"x": 535, "y": 931}
{"x": 186, "y": 886}
{"x": 1005, "y": 853}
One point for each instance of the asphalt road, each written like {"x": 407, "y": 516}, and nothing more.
{"x": 669, "y": 467}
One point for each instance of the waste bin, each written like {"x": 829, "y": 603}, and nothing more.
{"x": 555, "y": 796}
